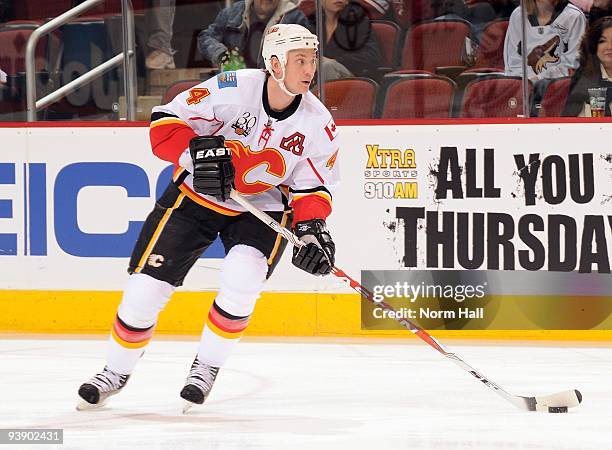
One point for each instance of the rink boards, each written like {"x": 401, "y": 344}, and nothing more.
{"x": 72, "y": 200}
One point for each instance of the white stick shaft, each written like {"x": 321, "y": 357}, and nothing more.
{"x": 265, "y": 218}
{"x": 525, "y": 403}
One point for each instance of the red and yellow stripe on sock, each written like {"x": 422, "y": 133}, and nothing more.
{"x": 131, "y": 337}
{"x": 224, "y": 324}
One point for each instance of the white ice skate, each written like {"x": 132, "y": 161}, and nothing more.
{"x": 198, "y": 384}
{"x": 97, "y": 390}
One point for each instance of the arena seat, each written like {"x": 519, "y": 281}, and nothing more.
{"x": 550, "y": 97}
{"x": 351, "y": 98}
{"x": 419, "y": 97}
{"x": 436, "y": 43}
{"x": 490, "y": 53}
{"x": 387, "y": 33}
{"x": 492, "y": 96}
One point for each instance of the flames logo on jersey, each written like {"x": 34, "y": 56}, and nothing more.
{"x": 293, "y": 143}
{"x": 245, "y": 160}
{"x": 244, "y": 124}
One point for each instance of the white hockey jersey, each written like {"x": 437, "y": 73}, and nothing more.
{"x": 552, "y": 49}
{"x": 295, "y": 150}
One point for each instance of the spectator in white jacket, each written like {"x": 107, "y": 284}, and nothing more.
{"x": 554, "y": 30}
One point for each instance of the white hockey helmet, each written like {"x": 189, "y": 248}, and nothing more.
{"x": 280, "y": 40}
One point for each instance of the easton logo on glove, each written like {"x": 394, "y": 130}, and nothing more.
{"x": 213, "y": 152}
{"x": 213, "y": 171}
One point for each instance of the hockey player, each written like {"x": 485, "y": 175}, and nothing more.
{"x": 263, "y": 133}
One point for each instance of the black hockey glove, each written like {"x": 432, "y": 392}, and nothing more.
{"x": 317, "y": 256}
{"x": 213, "y": 172}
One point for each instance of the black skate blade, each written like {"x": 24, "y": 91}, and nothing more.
{"x": 187, "y": 406}
{"x": 86, "y": 406}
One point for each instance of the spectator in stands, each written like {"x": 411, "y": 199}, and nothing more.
{"x": 449, "y": 9}
{"x": 408, "y": 12}
{"x": 159, "y": 18}
{"x": 350, "y": 47}
{"x": 583, "y": 5}
{"x": 477, "y": 12}
{"x": 481, "y": 12}
{"x": 594, "y": 9}
{"x": 554, "y": 31}
{"x": 458, "y": 10}
{"x": 601, "y": 8}
{"x": 503, "y": 8}
{"x": 241, "y": 26}
{"x": 595, "y": 69}
{"x": 375, "y": 9}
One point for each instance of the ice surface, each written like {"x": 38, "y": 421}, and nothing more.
{"x": 341, "y": 395}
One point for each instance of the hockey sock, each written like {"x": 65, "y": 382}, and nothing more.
{"x": 126, "y": 346}
{"x": 221, "y": 334}
{"x": 144, "y": 297}
{"x": 242, "y": 278}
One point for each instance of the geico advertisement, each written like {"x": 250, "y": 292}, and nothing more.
{"x": 487, "y": 197}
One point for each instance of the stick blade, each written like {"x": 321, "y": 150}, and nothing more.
{"x": 553, "y": 403}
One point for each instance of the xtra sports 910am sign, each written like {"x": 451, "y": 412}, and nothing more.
{"x": 489, "y": 197}
{"x": 528, "y": 206}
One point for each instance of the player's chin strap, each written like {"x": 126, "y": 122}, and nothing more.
{"x": 281, "y": 82}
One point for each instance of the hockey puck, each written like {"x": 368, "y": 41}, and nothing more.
{"x": 557, "y": 409}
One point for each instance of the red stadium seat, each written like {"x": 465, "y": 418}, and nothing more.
{"x": 13, "y": 41}
{"x": 491, "y": 50}
{"x": 176, "y": 88}
{"x": 419, "y": 97}
{"x": 434, "y": 44}
{"x": 387, "y": 33}
{"x": 351, "y": 98}
{"x": 554, "y": 98}
{"x": 493, "y": 96}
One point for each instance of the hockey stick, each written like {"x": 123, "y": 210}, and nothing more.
{"x": 554, "y": 403}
